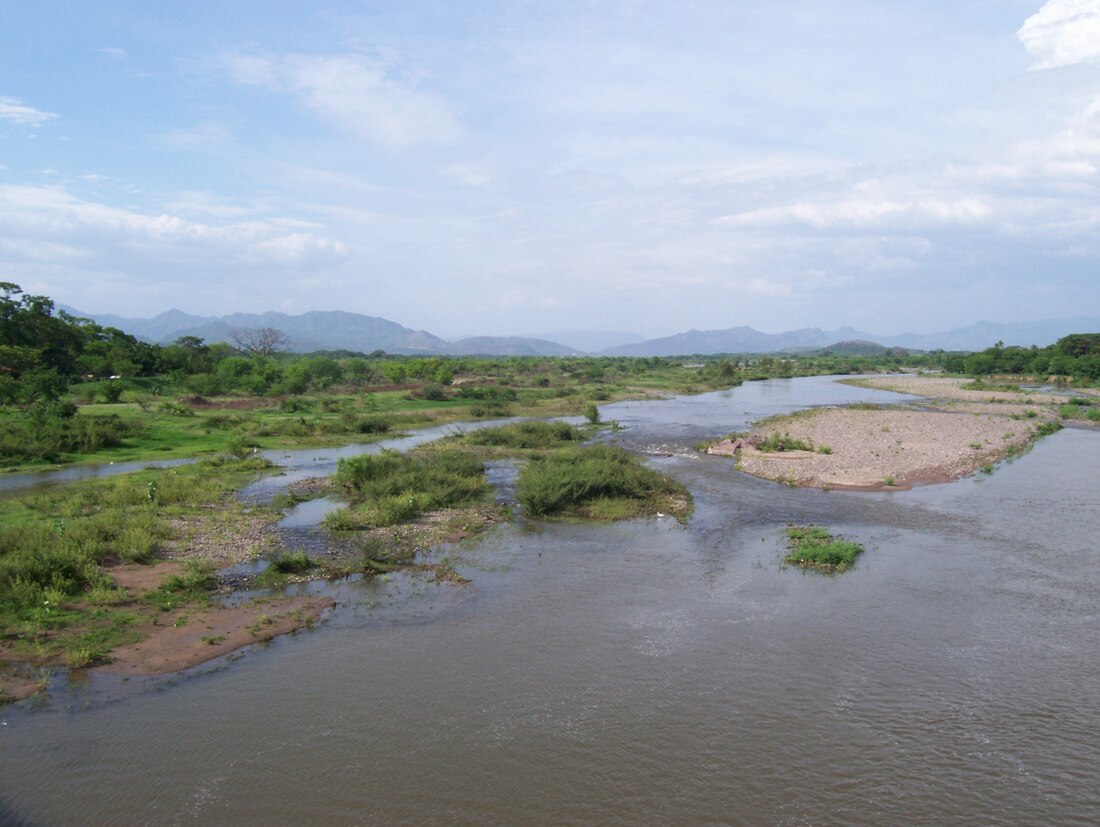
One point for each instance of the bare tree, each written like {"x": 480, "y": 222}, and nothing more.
{"x": 259, "y": 341}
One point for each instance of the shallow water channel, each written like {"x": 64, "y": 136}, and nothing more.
{"x": 646, "y": 672}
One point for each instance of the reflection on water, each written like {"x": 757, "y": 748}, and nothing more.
{"x": 648, "y": 672}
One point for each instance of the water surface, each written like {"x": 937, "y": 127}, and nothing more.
{"x": 647, "y": 672}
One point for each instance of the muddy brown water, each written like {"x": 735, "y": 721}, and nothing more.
{"x": 647, "y": 672}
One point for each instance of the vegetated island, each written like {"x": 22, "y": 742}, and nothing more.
{"x": 958, "y": 428}
{"x": 812, "y": 547}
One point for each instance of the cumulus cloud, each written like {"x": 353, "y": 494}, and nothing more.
{"x": 1063, "y": 32}
{"x": 14, "y": 110}
{"x": 358, "y": 93}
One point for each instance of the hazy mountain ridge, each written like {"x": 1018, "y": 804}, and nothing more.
{"x": 748, "y": 340}
{"x": 342, "y": 330}
{"x": 326, "y": 330}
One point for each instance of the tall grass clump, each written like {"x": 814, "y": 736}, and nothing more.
{"x": 532, "y": 435}
{"x": 390, "y": 488}
{"x": 43, "y": 563}
{"x": 1048, "y": 428}
{"x": 599, "y": 482}
{"x": 811, "y": 546}
{"x": 777, "y": 442}
{"x": 52, "y": 433}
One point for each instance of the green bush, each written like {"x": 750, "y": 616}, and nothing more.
{"x": 291, "y": 562}
{"x": 571, "y": 481}
{"x": 389, "y": 488}
{"x": 488, "y": 393}
{"x": 526, "y": 435}
{"x": 777, "y": 442}
{"x": 49, "y": 433}
{"x": 813, "y": 547}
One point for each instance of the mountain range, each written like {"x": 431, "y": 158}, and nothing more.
{"x": 340, "y": 330}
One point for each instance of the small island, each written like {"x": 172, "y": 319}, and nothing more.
{"x": 812, "y": 547}
{"x": 955, "y": 429}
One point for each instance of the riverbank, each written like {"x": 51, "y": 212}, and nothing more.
{"x": 130, "y": 574}
{"x": 951, "y": 432}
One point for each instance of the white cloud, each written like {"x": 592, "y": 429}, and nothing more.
{"x": 14, "y": 110}
{"x": 300, "y": 249}
{"x": 766, "y": 287}
{"x": 862, "y": 213}
{"x": 364, "y": 95}
{"x": 1063, "y": 32}
{"x": 52, "y": 214}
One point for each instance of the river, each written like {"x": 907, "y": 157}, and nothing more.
{"x": 645, "y": 672}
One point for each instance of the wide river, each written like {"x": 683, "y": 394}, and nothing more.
{"x": 646, "y": 672}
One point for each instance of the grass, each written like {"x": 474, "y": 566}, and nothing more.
{"x": 291, "y": 562}
{"x": 598, "y": 482}
{"x": 1078, "y": 408}
{"x": 778, "y": 443}
{"x": 526, "y": 436}
{"x": 982, "y": 385}
{"x": 1048, "y": 428}
{"x": 811, "y": 546}
{"x": 390, "y": 488}
{"x": 161, "y": 418}
{"x": 57, "y": 605}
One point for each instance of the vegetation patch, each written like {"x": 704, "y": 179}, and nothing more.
{"x": 390, "y": 488}
{"x": 811, "y": 546}
{"x": 526, "y": 436}
{"x": 598, "y": 482}
{"x": 59, "y": 603}
{"x": 776, "y": 442}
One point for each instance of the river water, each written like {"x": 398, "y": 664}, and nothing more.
{"x": 646, "y": 672}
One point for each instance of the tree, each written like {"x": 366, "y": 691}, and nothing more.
{"x": 259, "y": 341}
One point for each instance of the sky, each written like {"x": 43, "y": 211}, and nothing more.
{"x": 504, "y": 168}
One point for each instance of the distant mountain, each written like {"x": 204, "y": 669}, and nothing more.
{"x": 325, "y": 330}
{"x": 733, "y": 340}
{"x": 986, "y": 334}
{"x": 162, "y": 327}
{"x": 340, "y": 330}
{"x": 855, "y": 347}
{"x": 747, "y": 340}
{"x": 509, "y": 346}
{"x": 591, "y": 341}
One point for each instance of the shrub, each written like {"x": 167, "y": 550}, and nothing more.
{"x": 526, "y": 435}
{"x": 813, "y": 547}
{"x": 112, "y": 391}
{"x": 373, "y": 424}
{"x": 389, "y": 488}
{"x": 572, "y": 481}
{"x": 777, "y": 442}
{"x": 291, "y": 562}
{"x": 1048, "y": 428}
{"x": 488, "y": 393}
{"x": 175, "y": 409}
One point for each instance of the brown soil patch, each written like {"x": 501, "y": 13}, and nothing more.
{"x": 18, "y": 682}
{"x": 139, "y": 579}
{"x": 180, "y": 640}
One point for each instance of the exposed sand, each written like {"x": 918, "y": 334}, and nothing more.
{"x": 949, "y": 434}
{"x": 178, "y": 640}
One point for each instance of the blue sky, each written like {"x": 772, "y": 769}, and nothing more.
{"x": 523, "y": 167}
